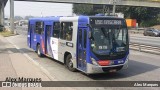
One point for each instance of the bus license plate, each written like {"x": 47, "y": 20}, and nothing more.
{"x": 112, "y": 70}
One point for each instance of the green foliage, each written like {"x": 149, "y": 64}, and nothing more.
{"x": 149, "y": 23}
{"x": 6, "y": 33}
{"x": 18, "y": 18}
{"x": 158, "y": 19}
{"x": 85, "y": 9}
{"x": 28, "y": 17}
{"x": 145, "y": 16}
{"x": 1, "y": 29}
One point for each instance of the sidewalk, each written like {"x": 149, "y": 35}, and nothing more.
{"x": 15, "y": 64}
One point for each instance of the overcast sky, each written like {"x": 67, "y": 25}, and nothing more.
{"x": 23, "y": 8}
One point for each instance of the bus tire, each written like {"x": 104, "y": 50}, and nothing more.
{"x": 39, "y": 51}
{"x": 69, "y": 63}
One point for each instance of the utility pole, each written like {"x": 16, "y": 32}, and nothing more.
{"x": 2, "y": 13}
{"x": 114, "y": 6}
{"x": 12, "y": 15}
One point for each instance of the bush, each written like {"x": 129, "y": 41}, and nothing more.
{"x": 6, "y": 33}
{"x": 1, "y": 28}
{"x": 149, "y": 23}
{"x": 158, "y": 19}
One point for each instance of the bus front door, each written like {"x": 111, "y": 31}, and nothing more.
{"x": 82, "y": 37}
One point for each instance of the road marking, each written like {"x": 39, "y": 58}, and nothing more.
{"x": 10, "y": 52}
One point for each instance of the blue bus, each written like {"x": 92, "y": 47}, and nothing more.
{"x": 91, "y": 44}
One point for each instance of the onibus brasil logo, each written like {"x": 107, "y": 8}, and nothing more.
{"x": 22, "y": 82}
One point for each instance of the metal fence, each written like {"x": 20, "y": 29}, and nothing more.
{"x": 145, "y": 48}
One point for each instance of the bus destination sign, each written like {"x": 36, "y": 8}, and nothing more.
{"x": 106, "y": 22}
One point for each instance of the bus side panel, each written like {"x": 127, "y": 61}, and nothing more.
{"x": 37, "y": 40}
{"x": 54, "y": 47}
{"x": 69, "y": 46}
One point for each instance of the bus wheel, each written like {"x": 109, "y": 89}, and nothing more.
{"x": 69, "y": 63}
{"x": 39, "y": 51}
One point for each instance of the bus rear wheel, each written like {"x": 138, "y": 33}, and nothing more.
{"x": 39, "y": 51}
{"x": 69, "y": 63}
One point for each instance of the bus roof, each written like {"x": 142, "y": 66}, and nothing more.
{"x": 71, "y": 17}
{"x": 44, "y": 18}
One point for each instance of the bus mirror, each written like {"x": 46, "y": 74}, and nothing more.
{"x": 90, "y": 31}
{"x": 90, "y": 35}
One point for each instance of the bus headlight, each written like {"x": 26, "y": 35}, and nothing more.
{"x": 127, "y": 59}
{"x": 94, "y": 61}
{"x": 126, "y": 63}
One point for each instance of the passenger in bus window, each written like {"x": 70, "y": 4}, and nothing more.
{"x": 64, "y": 31}
{"x": 69, "y": 33}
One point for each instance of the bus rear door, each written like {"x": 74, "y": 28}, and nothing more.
{"x": 82, "y": 40}
{"x": 30, "y": 35}
{"x": 48, "y": 31}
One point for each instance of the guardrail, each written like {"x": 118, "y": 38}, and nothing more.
{"x": 144, "y": 0}
{"x": 145, "y": 48}
{"x": 136, "y": 30}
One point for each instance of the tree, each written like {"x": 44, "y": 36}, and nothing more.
{"x": 87, "y": 9}
{"x": 18, "y": 18}
{"x": 83, "y": 9}
{"x": 28, "y": 17}
{"x": 141, "y": 14}
{"x": 145, "y": 16}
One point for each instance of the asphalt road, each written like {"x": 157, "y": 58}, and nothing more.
{"x": 142, "y": 67}
{"x": 22, "y": 30}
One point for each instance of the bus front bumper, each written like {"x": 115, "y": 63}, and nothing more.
{"x": 93, "y": 69}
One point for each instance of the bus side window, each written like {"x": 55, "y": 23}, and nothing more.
{"x": 48, "y": 28}
{"x": 80, "y": 37}
{"x": 66, "y": 31}
{"x": 85, "y": 38}
{"x": 29, "y": 27}
{"x": 56, "y": 29}
{"x": 39, "y": 27}
{"x": 62, "y": 34}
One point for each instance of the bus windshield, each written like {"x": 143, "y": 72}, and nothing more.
{"x": 107, "y": 40}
